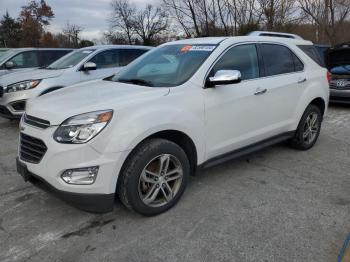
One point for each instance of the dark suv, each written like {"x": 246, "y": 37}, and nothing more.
{"x": 23, "y": 58}
{"x": 338, "y": 63}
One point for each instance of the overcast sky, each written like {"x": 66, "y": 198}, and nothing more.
{"x": 92, "y": 15}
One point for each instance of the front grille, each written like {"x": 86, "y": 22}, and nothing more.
{"x": 1, "y": 91}
{"x": 340, "y": 84}
{"x": 32, "y": 150}
{"x": 37, "y": 122}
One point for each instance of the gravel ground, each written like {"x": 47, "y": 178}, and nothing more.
{"x": 274, "y": 205}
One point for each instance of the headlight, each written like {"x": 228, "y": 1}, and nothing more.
{"x": 24, "y": 85}
{"x": 82, "y": 128}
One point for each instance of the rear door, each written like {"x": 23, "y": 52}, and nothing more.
{"x": 107, "y": 63}
{"x": 285, "y": 79}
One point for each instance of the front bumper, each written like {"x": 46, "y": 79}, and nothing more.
{"x": 97, "y": 203}
{"x": 60, "y": 157}
{"x": 339, "y": 96}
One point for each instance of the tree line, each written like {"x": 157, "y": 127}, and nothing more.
{"x": 29, "y": 29}
{"x": 322, "y": 21}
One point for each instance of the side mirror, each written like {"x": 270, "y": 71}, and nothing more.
{"x": 89, "y": 66}
{"x": 9, "y": 65}
{"x": 224, "y": 77}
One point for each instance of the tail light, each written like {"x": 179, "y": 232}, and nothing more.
{"x": 329, "y": 77}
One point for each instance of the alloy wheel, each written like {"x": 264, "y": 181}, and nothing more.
{"x": 160, "y": 180}
{"x": 311, "y": 128}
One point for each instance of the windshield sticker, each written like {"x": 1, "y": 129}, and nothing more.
{"x": 87, "y": 52}
{"x": 205, "y": 48}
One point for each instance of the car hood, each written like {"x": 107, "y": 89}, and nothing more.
{"x": 88, "y": 97}
{"x": 29, "y": 75}
{"x": 341, "y": 70}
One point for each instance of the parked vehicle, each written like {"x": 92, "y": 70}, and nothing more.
{"x": 84, "y": 64}
{"x": 338, "y": 62}
{"x": 19, "y": 59}
{"x": 182, "y": 107}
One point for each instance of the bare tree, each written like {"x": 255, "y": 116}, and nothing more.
{"x": 149, "y": 23}
{"x": 328, "y": 15}
{"x": 72, "y": 32}
{"x": 123, "y": 13}
{"x": 278, "y": 13}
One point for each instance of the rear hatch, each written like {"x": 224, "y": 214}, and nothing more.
{"x": 338, "y": 63}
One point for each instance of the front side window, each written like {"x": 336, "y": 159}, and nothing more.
{"x": 25, "y": 59}
{"x": 243, "y": 58}
{"x": 278, "y": 59}
{"x": 71, "y": 59}
{"x": 106, "y": 59}
{"x": 166, "y": 66}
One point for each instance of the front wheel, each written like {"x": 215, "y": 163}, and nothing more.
{"x": 154, "y": 177}
{"x": 308, "y": 129}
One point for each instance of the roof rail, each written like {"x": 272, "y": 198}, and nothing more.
{"x": 274, "y": 34}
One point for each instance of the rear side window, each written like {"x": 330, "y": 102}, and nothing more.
{"x": 25, "y": 59}
{"x": 49, "y": 56}
{"x": 128, "y": 55}
{"x": 243, "y": 58}
{"x": 311, "y": 51}
{"x": 277, "y": 59}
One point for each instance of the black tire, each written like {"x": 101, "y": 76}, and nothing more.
{"x": 299, "y": 141}
{"x": 129, "y": 179}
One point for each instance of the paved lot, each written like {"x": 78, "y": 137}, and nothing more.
{"x": 275, "y": 205}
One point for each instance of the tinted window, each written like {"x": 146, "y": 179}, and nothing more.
{"x": 25, "y": 59}
{"x": 106, "y": 59}
{"x": 128, "y": 55}
{"x": 243, "y": 58}
{"x": 312, "y": 52}
{"x": 298, "y": 65}
{"x": 50, "y": 56}
{"x": 277, "y": 59}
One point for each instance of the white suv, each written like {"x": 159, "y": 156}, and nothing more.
{"x": 85, "y": 64}
{"x": 183, "y": 106}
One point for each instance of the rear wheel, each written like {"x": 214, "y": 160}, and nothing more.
{"x": 308, "y": 129}
{"x": 154, "y": 177}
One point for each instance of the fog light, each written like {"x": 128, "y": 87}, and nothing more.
{"x": 80, "y": 176}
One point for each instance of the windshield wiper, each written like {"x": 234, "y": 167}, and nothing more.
{"x": 136, "y": 81}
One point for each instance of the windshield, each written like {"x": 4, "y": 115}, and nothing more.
{"x": 166, "y": 66}
{"x": 71, "y": 59}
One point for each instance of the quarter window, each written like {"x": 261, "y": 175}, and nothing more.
{"x": 243, "y": 58}
{"x": 277, "y": 59}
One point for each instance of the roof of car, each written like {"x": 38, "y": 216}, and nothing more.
{"x": 218, "y": 40}
{"x": 38, "y": 48}
{"x": 118, "y": 46}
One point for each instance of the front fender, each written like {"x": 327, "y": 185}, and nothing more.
{"x": 130, "y": 127}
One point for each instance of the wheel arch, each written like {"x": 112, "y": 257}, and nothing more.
{"x": 320, "y": 103}
{"x": 181, "y": 139}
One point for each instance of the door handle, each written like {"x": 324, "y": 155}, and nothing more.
{"x": 302, "y": 80}
{"x": 260, "y": 91}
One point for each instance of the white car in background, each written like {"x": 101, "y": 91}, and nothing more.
{"x": 21, "y": 59}
{"x": 95, "y": 62}
{"x": 183, "y": 106}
